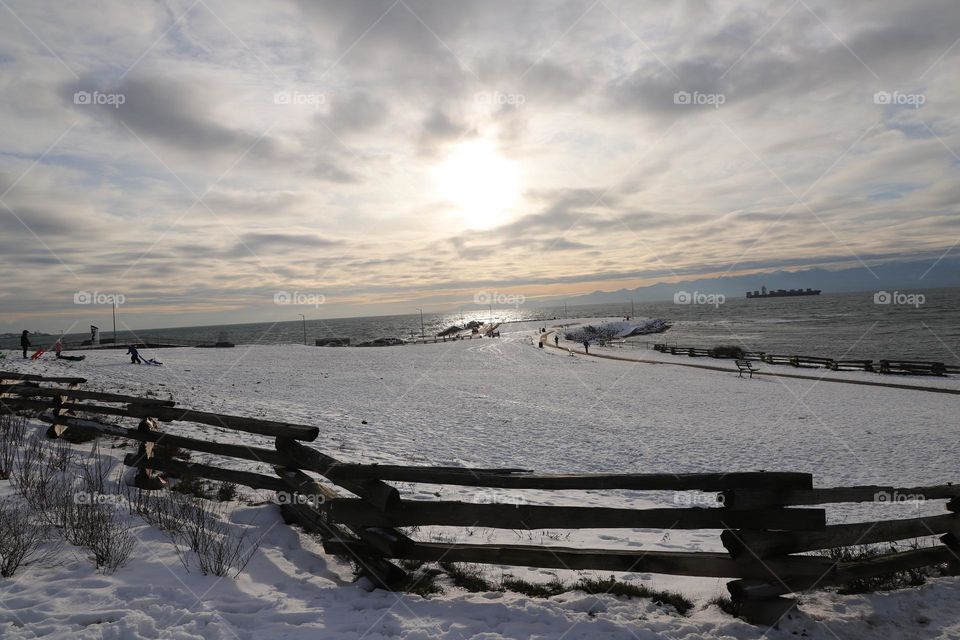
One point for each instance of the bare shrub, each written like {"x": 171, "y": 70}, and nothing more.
{"x": 109, "y": 539}
{"x": 12, "y": 432}
{"x": 29, "y": 460}
{"x": 22, "y": 539}
{"x": 219, "y": 549}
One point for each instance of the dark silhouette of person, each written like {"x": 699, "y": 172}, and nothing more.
{"x": 134, "y": 355}
{"x": 586, "y": 346}
{"x": 25, "y": 342}
{"x": 556, "y": 340}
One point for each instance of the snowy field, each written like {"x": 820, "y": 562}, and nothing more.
{"x": 496, "y": 402}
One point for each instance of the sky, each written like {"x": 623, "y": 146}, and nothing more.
{"x": 202, "y": 161}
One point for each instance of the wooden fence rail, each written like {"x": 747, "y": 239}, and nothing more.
{"x": 361, "y": 515}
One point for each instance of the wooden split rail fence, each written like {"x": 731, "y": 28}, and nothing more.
{"x": 905, "y": 367}
{"x": 770, "y": 522}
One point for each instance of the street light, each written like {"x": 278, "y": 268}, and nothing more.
{"x": 304, "y": 327}
{"x": 422, "y": 334}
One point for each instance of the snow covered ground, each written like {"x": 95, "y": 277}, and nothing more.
{"x": 496, "y": 402}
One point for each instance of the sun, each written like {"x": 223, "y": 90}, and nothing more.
{"x": 482, "y": 185}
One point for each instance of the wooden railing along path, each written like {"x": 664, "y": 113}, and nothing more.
{"x": 905, "y": 367}
{"x": 769, "y": 522}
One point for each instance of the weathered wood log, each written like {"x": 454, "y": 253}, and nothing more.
{"x": 763, "y": 544}
{"x": 682, "y": 563}
{"x": 246, "y": 478}
{"x": 513, "y": 479}
{"x": 13, "y": 376}
{"x": 250, "y": 425}
{"x": 83, "y": 394}
{"x": 507, "y": 516}
{"x": 841, "y": 573}
{"x": 68, "y": 407}
{"x": 762, "y": 498}
{"x": 255, "y": 454}
{"x": 377, "y": 492}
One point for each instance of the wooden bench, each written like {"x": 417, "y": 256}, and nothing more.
{"x": 913, "y": 367}
{"x": 745, "y": 366}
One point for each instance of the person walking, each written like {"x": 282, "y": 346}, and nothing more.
{"x": 58, "y": 348}
{"x": 134, "y": 355}
{"x": 586, "y": 346}
{"x": 556, "y": 340}
{"x": 25, "y": 342}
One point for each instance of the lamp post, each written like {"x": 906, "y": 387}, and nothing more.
{"x": 304, "y": 327}
{"x": 422, "y": 334}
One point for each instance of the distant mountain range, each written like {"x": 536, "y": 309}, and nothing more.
{"x": 893, "y": 275}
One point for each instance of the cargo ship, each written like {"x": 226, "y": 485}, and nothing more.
{"x": 782, "y": 293}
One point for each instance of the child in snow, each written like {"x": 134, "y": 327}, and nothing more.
{"x": 57, "y": 348}
{"x": 134, "y": 355}
{"x": 25, "y": 342}
{"x": 586, "y": 346}
{"x": 556, "y": 340}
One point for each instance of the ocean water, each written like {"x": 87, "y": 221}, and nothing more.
{"x": 838, "y": 325}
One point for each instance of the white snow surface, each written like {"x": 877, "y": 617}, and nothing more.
{"x": 494, "y": 402}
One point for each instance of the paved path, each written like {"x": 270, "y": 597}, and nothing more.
{"x": 892, "y": 385}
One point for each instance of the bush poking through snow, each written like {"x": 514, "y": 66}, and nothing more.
{"x": 727, "y": 351}
{"x": 217, "y": 547}
{"x": 888, "y": 581}
{"x": 226, "y": 492}
{"x": 22, "y": 539}
{"x": 12, "y": 432}
{"x": 614, "y": 587}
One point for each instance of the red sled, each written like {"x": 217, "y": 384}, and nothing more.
{"x": 36, "y": 354}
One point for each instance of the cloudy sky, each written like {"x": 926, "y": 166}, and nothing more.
{"x": 199, "y": 156}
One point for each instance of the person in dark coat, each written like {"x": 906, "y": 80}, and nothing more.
{"x": 556, "y": 340}
{"x": 25, "y": 342}
{"x": 134, "y": 355}
{"x": 586, "y": 346}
